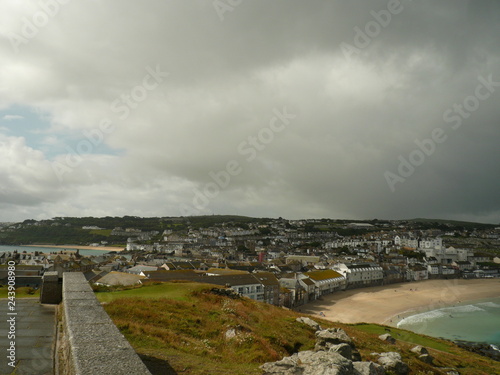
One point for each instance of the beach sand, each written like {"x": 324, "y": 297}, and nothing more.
{"x": 389, "y": 304}
{"x": 75, "y": 247}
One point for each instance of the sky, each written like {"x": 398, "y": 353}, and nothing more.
{"x": 320, "y": 109}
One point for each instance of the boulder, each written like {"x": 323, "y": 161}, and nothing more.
{"x": 287, "y": 366}
{"x": 427, "y": 358}
{"x": 230, "y": 334}
{"x": 345, "y": 350}
{"x": 419, "y": 350}
{"x": 310, "y": 363}
{"x": 392, "y": 362}
{"x": 368, "y": 368}
{"x": 308, "y": 321}
{"x": 387, "y": 338}
{"x": 356, "y": 355}
{"x": 330, "y": 337}
{"x": 317, "y": 363}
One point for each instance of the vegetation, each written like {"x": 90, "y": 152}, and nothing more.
{"x": 186, "y": 328}
{"x": 55, "y": 235}
{"x": 21, "y": 292}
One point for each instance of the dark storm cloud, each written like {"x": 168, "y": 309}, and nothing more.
{"x": 355, "y": 114}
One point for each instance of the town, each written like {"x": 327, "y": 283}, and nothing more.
{"x": 278, "y": 261}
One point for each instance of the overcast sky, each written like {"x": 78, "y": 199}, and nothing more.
{"x": 299, "y": 109}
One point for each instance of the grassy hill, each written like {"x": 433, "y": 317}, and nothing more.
{"x": 454, "y": 223}
{"x": 184, "y": 328}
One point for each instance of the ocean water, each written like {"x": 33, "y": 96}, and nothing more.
{"x": 31, "y": 249}
{"x": 477, "y": 321}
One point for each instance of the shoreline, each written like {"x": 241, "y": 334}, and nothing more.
{"x": 77, "y": 247}
{"x": 389, "y": 304}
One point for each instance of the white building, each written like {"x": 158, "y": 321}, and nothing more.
{"x": 361, "y": 274}
{"x": 327, "y": 281}
{"x": 430, "y": 243}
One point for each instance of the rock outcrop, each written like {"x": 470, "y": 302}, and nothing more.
{"x": 419, "y": 350}
{"x": 392, "y": 362}
{"x": 387, "y": 338}
{"x": 308, "y": 321}
{"x": 334, "y": 354}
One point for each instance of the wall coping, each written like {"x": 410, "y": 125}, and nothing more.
{"x": 96, "y": 346}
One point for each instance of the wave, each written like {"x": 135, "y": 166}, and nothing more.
{"x": 489, "y": 304}
{"x": 423, "y": 317}
{"x": 463, "y": 309}
{"x": 439, "y": 313}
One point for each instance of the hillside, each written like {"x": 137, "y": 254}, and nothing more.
{"x": 186, "y": 328}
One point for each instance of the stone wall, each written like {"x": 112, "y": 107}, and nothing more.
{"x": 51, "y": 290}
{"x": 90, "y": 343}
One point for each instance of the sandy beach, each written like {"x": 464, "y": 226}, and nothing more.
{"x": 389, "y": 304}
{"x": 75, "y": 247}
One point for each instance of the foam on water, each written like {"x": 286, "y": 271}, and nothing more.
{"x": 422, "y": 317}
{"x": 470, "y": 322}
{"x": 490, "y": 304}
{"x": 463, "y": 309}
{"x": 439, "y": 313}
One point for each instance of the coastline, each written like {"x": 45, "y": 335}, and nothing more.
{"x": 388, "y": 304}
{"x": 77, "y": 247}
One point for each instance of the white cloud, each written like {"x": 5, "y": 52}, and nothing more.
{"x": 12, "y": 117}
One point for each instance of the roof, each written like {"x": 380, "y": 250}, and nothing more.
{"x": 231, "y": 280}
{"x": 186, "y": 275}
{"x": 323, "y": 275}
{"x": 22, "y": 267}
{"x": 226, "y": 271}
{"x": 363, "y": 265}
{"x": 267, "y": 278}
{"x": 141, "y": 268}
{"x": 307, "y": 281}
{"x": 120, "y": 278}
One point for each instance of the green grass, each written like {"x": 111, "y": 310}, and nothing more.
{"x": 182, "y": 326}
{"x": 176, "y": 291}
{"x": 21, "y": 292}
{"x": 407, "y": 336}
{"x": 101, "y": 232}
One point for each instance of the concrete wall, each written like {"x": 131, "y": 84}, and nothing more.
{"x": 90, "y": 343}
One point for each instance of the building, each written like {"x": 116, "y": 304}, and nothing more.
{"x": 417, "y": 272}
{"x": 326, "y": 281}
{"x": 360, "y": 275}
{"x": 119, "y": 278}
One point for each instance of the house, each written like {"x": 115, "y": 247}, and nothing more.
{"x": 326, "y": 281}
{"x": 245, "y": 284}
{"x": 306, "y": 260}
{"x": 417, "y": 272}
{"x": 309, "y": 287}
{"x": 361, "y": 274}
{"x": 119, "y": 278}
{"x": 140, "y": 269}
{"x": 479, "y": 258}
{"x": 393, "y": 274}
{"x": 294, "y": 292}
{"x": 463, "y": 265}
{"x": 271, "y": 287}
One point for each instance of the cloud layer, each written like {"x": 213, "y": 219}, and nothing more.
{"x": 286, "y": 108}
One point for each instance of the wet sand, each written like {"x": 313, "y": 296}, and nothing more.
{"x": 389, "y": 304}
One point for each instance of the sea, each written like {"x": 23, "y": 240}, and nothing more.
{"x": 32, "y": 249}
{"x": 477, "y": 321}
